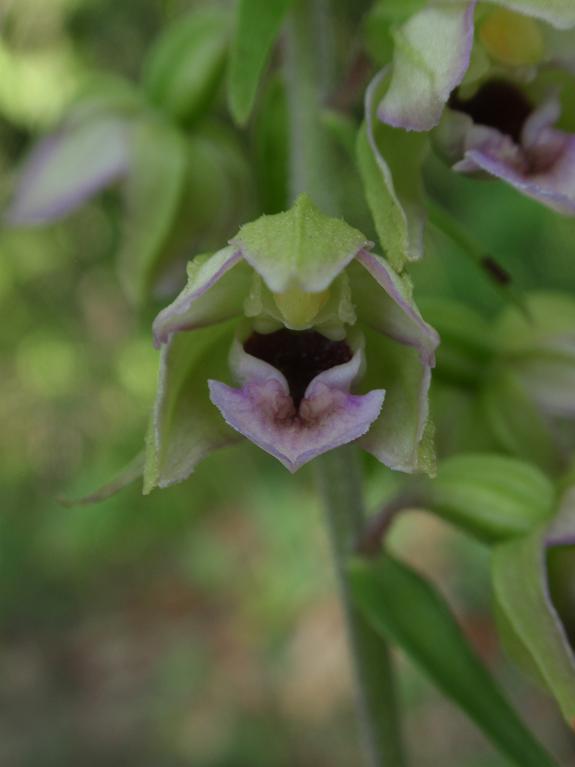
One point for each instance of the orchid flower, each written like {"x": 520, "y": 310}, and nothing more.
{"x": 298, "y": 338}
{"x": 474, "y": 75}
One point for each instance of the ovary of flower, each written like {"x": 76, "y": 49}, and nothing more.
{"x": 511, "y": 38}
{"x": 298, "y": 308}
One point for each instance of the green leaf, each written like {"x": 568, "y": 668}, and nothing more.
{"x": 492, "y": 496}
{"x": 185, "y": 66}
{"x": 258, "y": 25}
{"x": 390, "y": 163}
{"x": 406, "y": 609}
{"x": 516, "y": 422}
{"x": 531, "y": 628}
{"x": 466, "y": 340}
{"x": 153, "y": 194}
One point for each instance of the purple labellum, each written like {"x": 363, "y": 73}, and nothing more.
{"x": 295, "y": 402}
{"x": 506, "y": 138}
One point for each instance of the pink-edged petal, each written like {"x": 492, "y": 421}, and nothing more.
{"x": 263, "y": 412}
{"x": 431, "y": 57}
{"x": 216, "y": 289}
{"x": 68, "y": 167}
{"x": 391, "y": 311}
{"x": 554, "y": 185}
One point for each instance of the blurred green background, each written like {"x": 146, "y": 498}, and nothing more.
{"x": 198, "y": 626}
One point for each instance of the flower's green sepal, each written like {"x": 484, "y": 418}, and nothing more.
{"x": 185, "y": 67}
{"x": 432, "y": 52}
{"x": 379, "y": 23}
{"x": 390, "y": 163}
{"x": 185, "y": 427}
{"x": 302, "y": 247}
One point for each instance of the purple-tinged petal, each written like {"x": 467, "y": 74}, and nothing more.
{"x": 432, "y": 51}
{"x": 264, "y": 412}
{"x": 391, "y": 311}
{"x": 542, "y": 166}
{"x": 216, "y": 289}
{"x": 553, "y": 184}
{"x": 68, "y": 167}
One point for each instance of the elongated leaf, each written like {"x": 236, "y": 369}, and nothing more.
{"x": 154, "y": 191}
{"x": 258, "y": 24}
{"x": 405, "y": 608}
{"x": 184, "y": 69}
{"x": 531, "y": 626}
{"x": 492, "y": 496}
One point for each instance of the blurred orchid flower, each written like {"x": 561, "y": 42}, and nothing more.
{"x": 298, "y": 338}
{"x": 471, "y": 73}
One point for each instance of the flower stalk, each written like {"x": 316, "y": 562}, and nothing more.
{"x": 338, "y": 472}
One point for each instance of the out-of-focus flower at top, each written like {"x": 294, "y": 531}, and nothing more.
{"x": 298, "y": 338}
{"x": 478, "y": 77}
{"x": 185, "y": 184}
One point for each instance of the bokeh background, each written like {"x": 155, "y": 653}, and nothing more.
{"x": 197, "y": 626}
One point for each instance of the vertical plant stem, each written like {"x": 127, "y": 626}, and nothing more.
{"x": 311, "y": 167}
{"x": 339, "y": 475}
{"x": 339, "y": 480}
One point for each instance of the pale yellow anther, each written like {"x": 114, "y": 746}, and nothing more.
{"x": 512, "y": 39}
{"x": 298, "y": 308}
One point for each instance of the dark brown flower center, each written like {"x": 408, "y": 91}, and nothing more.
{"x": 300, "y": 355}
{"x": 497, "y": 104}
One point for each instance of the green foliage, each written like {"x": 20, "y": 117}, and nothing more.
{"x": 529, "y": 624}
{"x": 405, "y": 608}
{"x": 184, "y": 68}
{"x": 492, "y": 496}
{"x": 257, "y": 26}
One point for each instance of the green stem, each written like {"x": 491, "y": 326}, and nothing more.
{"x": 311, "y": 166}
{"x": 339, "y": 475}
{"x": 339, "y": 478}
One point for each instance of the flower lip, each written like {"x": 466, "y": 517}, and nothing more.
{"x": 300, "y": 356}
{"x": 497, "y": 104}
